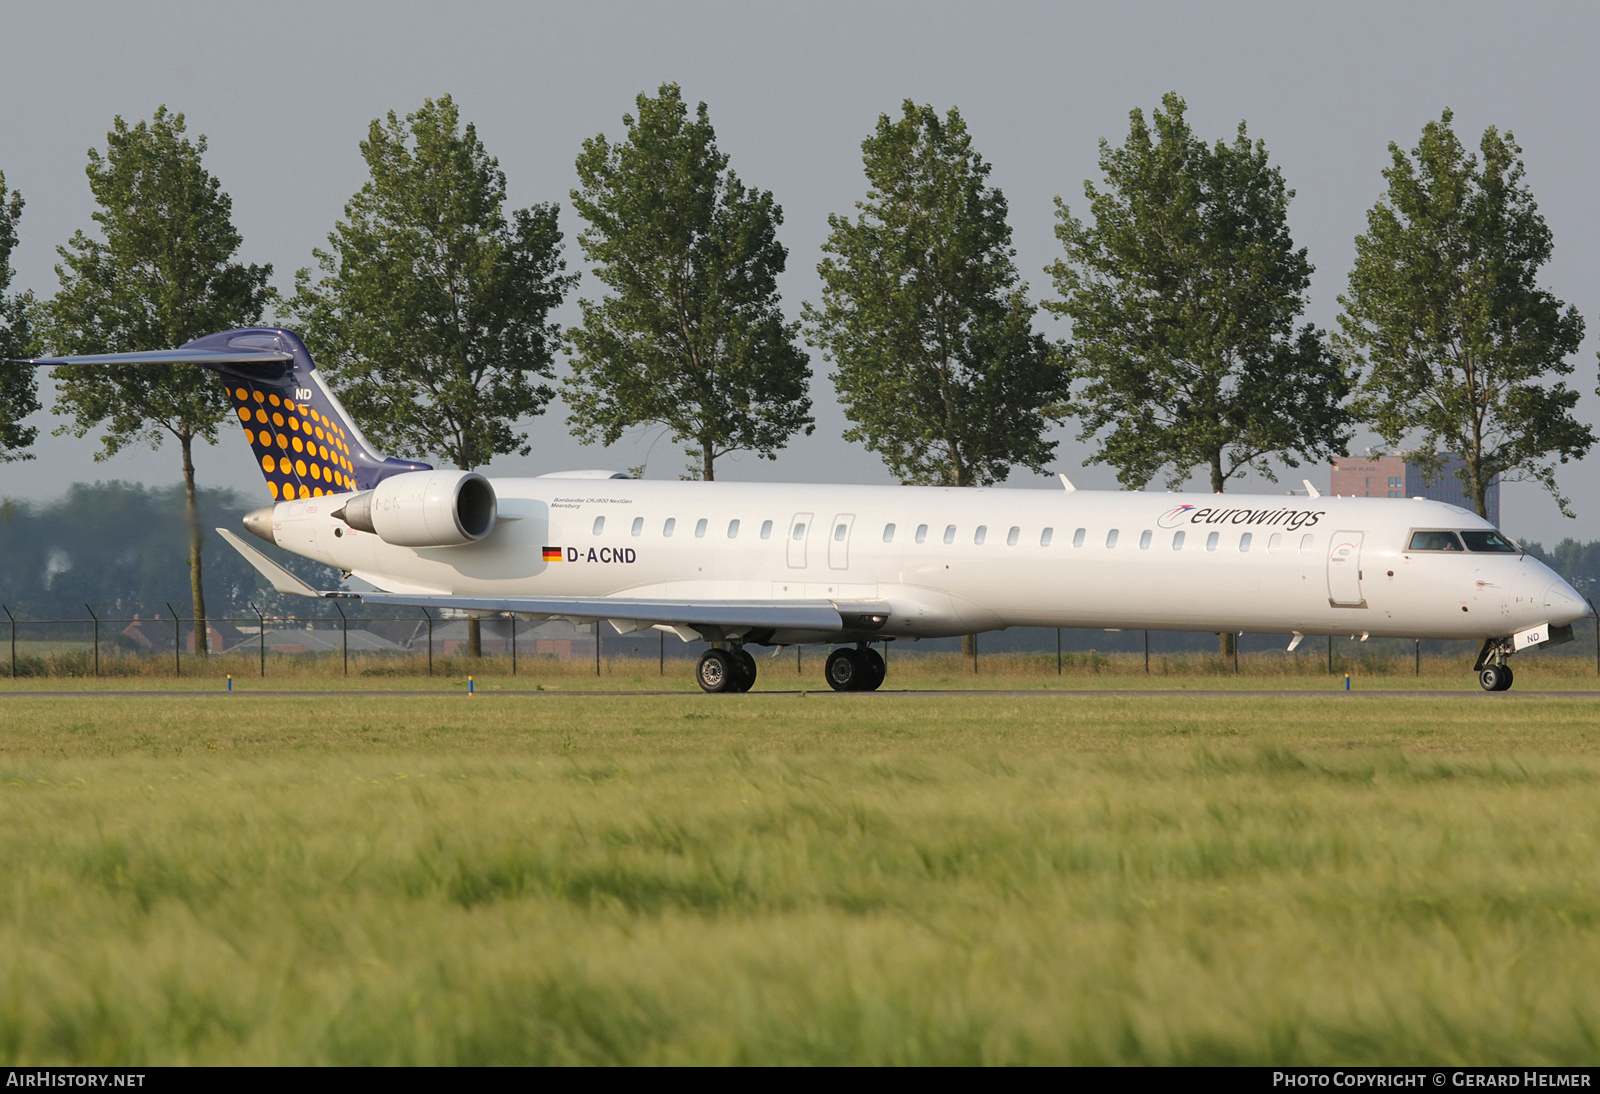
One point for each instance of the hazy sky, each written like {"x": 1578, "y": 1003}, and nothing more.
{"x": 285, "y": 92}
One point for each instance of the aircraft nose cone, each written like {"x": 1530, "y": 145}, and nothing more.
{"x": 259, "y": 524}
{"x": 1561, "y": 597}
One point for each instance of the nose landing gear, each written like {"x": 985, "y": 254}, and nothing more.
{"x": 1493, "y": 672}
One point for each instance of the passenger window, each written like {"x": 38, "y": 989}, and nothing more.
{"x": 1211, "y": 541}
{"x": 638, "y": 526}
{"x": 733, "y": 529}
{"x": 950, "y": 533}
{"x": 1273, "y": 543}
{"x": 668, "y": 528}
{"x": 700, "y": 528}
{"x": 1492, "y": 542}
{"x": 1434, "y": 541}
{"x": 799, "y": 531}
{"x": 980, "y": 535}
{"x": 1111, "y": 538}
{"x": 1046, "y": 536}
{"x": 839, "y": 532}
{"x": 1177, "y": 541}
{"x": 599, "y": 525}
{"x": 888, "y": 533}
{"x": 1011, "y": 536}
{"x": 922, "y": 533}
{"x": 1244, "y": 543}
{"x": 766, "y": 529}
{"x": 1305, "y": 545}
{"x": 1144, "y": 539}
{"x": 1077, "y": 537}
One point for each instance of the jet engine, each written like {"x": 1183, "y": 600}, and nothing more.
{"x": 424, "y": 509}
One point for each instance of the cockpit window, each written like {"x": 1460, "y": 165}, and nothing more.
{"x": 1434, "y": 541}
{"x": 1493, "y": 542}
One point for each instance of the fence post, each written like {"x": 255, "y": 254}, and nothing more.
{"x": 426, "y": 614}
{"x": 1592, "y": 608}
{"x": 1330, "y": 655}
{"x": 1417, "y": 646}
{"x": 513, "y": 643}
{"x": 177, "y": 641}
{"x": 261, "y": 635}
{"x": 1147, "y": 652}
{"x": 597, "y": 647}
{"x": 663, "y": 654}
{"x": 344, "y": 630}
{"x": 14, "y": 641}
{"x": 1236, "y": 655}
{"x": 1058, "y": 651}
{"x": 974, "y": 655}
{"x": 96, "y": 619}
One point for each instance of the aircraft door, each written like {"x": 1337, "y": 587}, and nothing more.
{"x": 799, "y": 532}
{"x": 839, "y": 541}
{"x": 1344, "y": 570}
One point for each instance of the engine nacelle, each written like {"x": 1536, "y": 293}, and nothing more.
{"x": 424, "y": 509}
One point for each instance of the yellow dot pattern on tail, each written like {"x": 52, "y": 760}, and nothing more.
{"x": 325, "y": 466}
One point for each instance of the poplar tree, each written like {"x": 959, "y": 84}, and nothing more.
{"x": 1184, "y": 289}
{"x": 691, "y": 335}
{"x": 432, "y": 315}
{"x": 19, "y": 391}
{"x": 923, "y": 314}
{"x": 162, "y": 274}
{"x": 1461, "y": 345}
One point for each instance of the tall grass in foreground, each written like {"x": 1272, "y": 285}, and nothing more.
{"x": 781, "y": 880}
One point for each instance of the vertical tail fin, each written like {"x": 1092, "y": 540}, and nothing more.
{"x": 303, "y": 439}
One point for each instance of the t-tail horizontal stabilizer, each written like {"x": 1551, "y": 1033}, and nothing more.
{"x": 304, "y": 441}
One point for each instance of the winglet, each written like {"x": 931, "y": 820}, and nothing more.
{"x": 1066, "y": 482}
{"x": 1311, "y": 491}
{"x": 281, "y": 579}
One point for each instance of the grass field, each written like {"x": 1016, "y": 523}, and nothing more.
{"x": 360, "y": 879}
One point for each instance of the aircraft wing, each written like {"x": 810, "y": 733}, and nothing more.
{"x": 708, "y": 618}
{"x": 700, "y": 615}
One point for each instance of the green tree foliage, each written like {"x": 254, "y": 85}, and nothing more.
{"x": 19, "y": 391}
{"x": 1444, "y": 311}
{"x": 923, "y": 313}
{"x": 432, "y": 314}
{"x": 163, "y": 274}
{"x": 1183, "y": 294}
{"x": 691, "y": 336}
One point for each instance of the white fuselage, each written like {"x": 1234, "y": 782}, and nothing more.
{"x": 962, "y": 560}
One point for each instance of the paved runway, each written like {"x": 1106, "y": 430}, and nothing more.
{"x": 825, "y": 693}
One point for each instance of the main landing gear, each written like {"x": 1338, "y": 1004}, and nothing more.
{"x": 1493, "y": 672}
{"x": 725, "y": 670}
{"x": 855, "y": 670}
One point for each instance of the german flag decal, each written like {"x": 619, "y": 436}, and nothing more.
{"x": 552, "y": 554}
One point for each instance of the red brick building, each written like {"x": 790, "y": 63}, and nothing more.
{"x": 1391, "y": 476}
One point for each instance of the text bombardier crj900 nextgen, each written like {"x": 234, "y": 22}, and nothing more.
{"x": 770, "y": 565}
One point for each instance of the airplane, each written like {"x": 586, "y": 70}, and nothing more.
{"x": 743, "y": 565}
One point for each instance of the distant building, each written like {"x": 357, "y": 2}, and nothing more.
{"x": 1391, "y": 476}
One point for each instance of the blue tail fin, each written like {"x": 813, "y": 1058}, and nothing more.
{"x": 303, "y": 439}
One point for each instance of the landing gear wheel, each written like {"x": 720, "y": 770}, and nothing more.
{"x": 873, "y": 669}
{"x": 747, "y": 669}
{"x": 717, "y": 672}
{"x": 1495, "y": 678}
{"x": 844, "y": 670}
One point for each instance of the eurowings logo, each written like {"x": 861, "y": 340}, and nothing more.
{"x": 1174, "y": 517}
